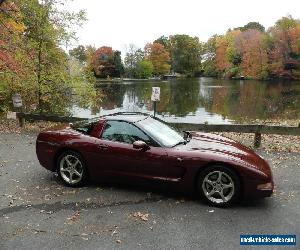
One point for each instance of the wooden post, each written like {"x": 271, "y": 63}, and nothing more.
{"x": 257, "y": 140}
{"x": 21, "y": 119}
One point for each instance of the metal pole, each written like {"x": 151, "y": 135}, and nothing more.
{"x": 154, "y": 108}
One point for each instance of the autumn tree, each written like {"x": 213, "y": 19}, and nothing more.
{"x": 254, "y": 58}
{"x": 228, "y": 58}
{"x": 165, "y": 41}
{"x": 103, "y": 62}
{"x": 285, "y": 53}
{"x": 107, "y": 63}
{"x": 159, "y": 57}
{"x": 47, "y": 27}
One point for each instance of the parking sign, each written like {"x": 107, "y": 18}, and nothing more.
{"x": 155, "y": 94}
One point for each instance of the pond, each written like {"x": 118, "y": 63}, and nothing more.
{"x": 200, "y": 100}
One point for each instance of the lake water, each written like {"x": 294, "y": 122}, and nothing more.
{"x": 200, "y": 100}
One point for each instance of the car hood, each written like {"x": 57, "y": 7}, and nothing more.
{"x": 225, "y": 147}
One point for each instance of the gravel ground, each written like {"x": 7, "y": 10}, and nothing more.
{"x": 38, "y": 212}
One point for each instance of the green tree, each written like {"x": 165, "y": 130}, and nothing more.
{"x": 79, "y": 53}
{"x": 133, "y": 56}
{"x": 119, "y": 67}
{"x": 46, "y": 28}
{"x": 165, "y": 41}
{"x": 144, "y": 69}
{"x": 185, "y": 54}
{"x": 252, "y": 26}
{"x": 209, "y": 57}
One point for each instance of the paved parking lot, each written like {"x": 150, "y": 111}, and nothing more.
{"x": 38, "y": 212}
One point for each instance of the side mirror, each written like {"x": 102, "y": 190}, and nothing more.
{"x": 140, "y": 145}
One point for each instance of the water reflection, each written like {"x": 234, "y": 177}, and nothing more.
{"x": 202, "y": 100}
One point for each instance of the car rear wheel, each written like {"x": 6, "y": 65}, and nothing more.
{"x": 219, "y": 185}
{"x": 71, "y": 169}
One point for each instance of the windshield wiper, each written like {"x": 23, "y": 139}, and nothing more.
{"x": 187, "y": 136}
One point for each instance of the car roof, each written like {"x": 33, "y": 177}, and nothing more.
{"x": 126, "y": 116}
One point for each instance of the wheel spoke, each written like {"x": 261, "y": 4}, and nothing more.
{"x": 209, "y": 194}
{"x": 66, "y": 170}
{"x": 68, "y": 161}
{"x": 77, "y": 173}
{"x": 208, "y": 181}
{"x": 75, "y": 164}
{"x": 227, "y": 185}
{"x": 219, "y": 176}
{"x": 222, "y": 196}
{"x": 71, "y": 177}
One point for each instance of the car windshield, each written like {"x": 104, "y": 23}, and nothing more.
{"x": 167, "y": 136}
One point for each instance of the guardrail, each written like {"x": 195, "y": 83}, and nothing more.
{"x": 257, "y": 130}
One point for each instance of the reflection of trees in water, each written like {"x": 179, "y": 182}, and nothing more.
{"x": 256, "y": 100}
{"x": 232, "y": 99}
{"x": 183, "y": 97}
{"x": 112, "y": 96}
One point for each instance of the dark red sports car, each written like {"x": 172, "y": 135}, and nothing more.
{"x": 135, "y": 147}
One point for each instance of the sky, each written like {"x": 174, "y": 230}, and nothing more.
{"x": 117, "y": 23}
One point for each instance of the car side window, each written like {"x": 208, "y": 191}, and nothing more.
{"x": 124, "y": 132}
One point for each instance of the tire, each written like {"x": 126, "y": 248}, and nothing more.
{"x": 219, "y": 186}
{"x": 71, "y": 169}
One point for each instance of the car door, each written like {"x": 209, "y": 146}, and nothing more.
{"x": 121, "y": 159}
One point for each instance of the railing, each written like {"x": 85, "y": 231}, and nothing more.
{"x": 258, "y": 130}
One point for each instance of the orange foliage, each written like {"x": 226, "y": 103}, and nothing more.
{"x": 222, "y": 62}
{"x": 254, "y": 56}
{"x": 103, "y": 61}
{"x": 159, "y": 57}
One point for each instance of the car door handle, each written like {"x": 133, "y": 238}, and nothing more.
{"x": 179, "y": 159}
{"x": 103, "y": 147}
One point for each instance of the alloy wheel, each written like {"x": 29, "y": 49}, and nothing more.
{"x": 71, "y": 169}
{"x": 218, "y": 187}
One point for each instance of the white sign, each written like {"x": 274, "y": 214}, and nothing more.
{"x": 155, "y": 94}
{"x": 11, "y": 115}
{"x": 17, "y": 100}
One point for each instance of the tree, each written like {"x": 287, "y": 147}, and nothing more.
{"x": 185, "y": 54}
{"x": 46, "y": 28}
{"x": 79, "y": 53}
{"x": 133, "y": 56}
{"x": 35, "y": 65}
{"x": 107, "y": 63}
{"x": 252, "y": 26}
{"x": 103, "y": 62}
{"x": 209, "y": 57}
{"x": 285, "y": 52}
{"x": 254, "y": 57}
{"x": 119, "y": 67}
{"x": 228, "y": 57}
{"x": 144, "y": 69}
{"x": 159, "y": 57}
{"x": 165, "y": 41}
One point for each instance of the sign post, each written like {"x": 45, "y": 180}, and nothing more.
{"x": 18, "y": 104}
{"x": 155, "y": 97}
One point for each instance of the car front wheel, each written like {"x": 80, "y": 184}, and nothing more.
{"x": 71, "y": 169}
{"x": 219, "y": 185}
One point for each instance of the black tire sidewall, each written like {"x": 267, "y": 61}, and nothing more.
{"x": 231, "y": 173}
{"x": 79, "y": 157}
